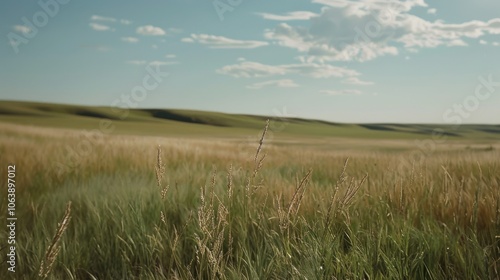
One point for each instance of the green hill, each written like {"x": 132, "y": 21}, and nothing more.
{"x": 165, "y": 122}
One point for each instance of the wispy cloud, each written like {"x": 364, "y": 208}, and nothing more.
{"x": 248, "y": 69}
{"x": 99, "y": 48}
{"x": 130, "y": 39}
{"x": 170, "y": 56}
{"x": 102, "y": 48}
{"x": 484, "y": 42}
{"x": 154, "y": 62}
{"x": 22, "y": 29}
{"x": 341, "y": 92}
{"x": 101, "y": 18}
{"x": 100, "y": 27}
{"x": 220, "y": 42}
{"x": 298, "y": 15}
{"x": 432, "y": 11}
{"x": 319, "y": 70}
{"x": 149, "y": 30}
{"x": 109, "y": 19}
{"x": 356, "y": 81}
{"x": 284, "y": 83}
{"x": 160, "y": 63}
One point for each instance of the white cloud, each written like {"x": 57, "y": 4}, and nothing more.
{"x": 285, "y": 83}
{"x": 248, "y": 69}
{"x": 22, "y": 29}
{"x": 110, "y": 19}
{"x": 356, "y": 81}
{"x": 298, "y": 15}
{"x": 101, "y": 18}
{"x": 483, "y": 42}
{"x": 170, "y": 56}
{"x": 341, "y": 92}
{"x": 432, "y": 11}
{"x": 125, "y": 22}
{"x": 137, "y": 62}
{"x": 363, "y": 30}
{"x": 100, "y": 27}
{"x": 316, "y": 70}
{"x": 363, "y": 6}
{"x": 496, "y": 44}
{"x": 457, "y": 42}
{"x": 154, "y": 46}
{"x": 154, "y": 62}
{"x": 149, "y": 30}
{"x": 288, "y": 36}
{"x": 219, "y": 42}
{"x": 130, "y": 39}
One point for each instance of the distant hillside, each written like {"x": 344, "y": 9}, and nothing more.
{"x": 188, "y": 122}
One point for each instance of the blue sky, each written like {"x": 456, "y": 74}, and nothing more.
{"x": 337, "y": 60}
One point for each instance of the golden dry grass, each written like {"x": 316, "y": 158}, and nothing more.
{"x": 219, "y": 201}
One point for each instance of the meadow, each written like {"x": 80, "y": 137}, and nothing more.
{"x": 190, "y": 200}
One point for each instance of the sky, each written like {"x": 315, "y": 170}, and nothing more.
{"x": 369, "y": 61}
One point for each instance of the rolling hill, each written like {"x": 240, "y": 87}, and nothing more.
{"x": 164, "y": 122}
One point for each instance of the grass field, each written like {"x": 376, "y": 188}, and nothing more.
{"x": 316, "y": 201}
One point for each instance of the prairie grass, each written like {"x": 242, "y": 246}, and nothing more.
{"x": 53, "y": 249}
{"x": 216, "y": 209}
